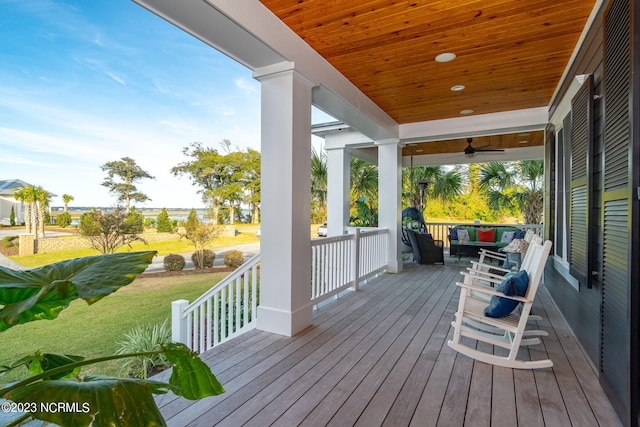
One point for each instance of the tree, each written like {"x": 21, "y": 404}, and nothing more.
{"x": 224, "y": 180}
{"x": 163, "y": 224}
{"x": 107, "y": 232}
{"x": 444, "y": 184}
{"x": 199, "y": 234}
{"x": 12, "y": 217}
{"x": 67, "y": 198}
{"x": 27, "y": 196}
{"x": 42, "y": 203}
{"x": 519, "y": 184}
{"x": 128, "y": 173}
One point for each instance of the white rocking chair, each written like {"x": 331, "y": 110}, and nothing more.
{"x": 508, "y": 332}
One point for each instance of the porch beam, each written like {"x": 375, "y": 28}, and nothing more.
{"x": 285, "y": 287}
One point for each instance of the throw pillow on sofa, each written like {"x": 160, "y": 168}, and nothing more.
{"x": 486, "y": 235}
{"x": 453, "y": 233}
{"x": 463, "y": 237}
{"x": 507, "y": 236}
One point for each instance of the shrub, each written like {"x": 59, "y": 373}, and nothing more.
{"x": 203, "y": 259}
{"x": 233, "y": 258}
{"x": 12, "y": 217}
{"x": 145, "y": 338}
{"x": 10, "y": 241}
{"x": 173, "y": 262}
{"x": 63, "y": 220}
{"x": 149, "y": 222}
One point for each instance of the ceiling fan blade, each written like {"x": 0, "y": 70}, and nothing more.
{"x": 486, "y": 151}
{"x": 482, "y": 147}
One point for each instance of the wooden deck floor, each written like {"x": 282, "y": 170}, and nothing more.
{"x": 379, "y": 357}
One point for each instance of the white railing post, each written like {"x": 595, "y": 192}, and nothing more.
{"x": 178, "y": 325}
{"x": 355, "y": 259}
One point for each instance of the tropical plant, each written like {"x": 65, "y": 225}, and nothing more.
{"x": 127, "y": 172}
{"x": 163, "y": 223}
{"x": 366, "y": 215}
{"x": 233, "y": 258}
{"x": 107, "y": 232}
{"x": 144, "y": 339}
{"x": 364, "y": 181}
{"x": 445, "y": 184}
{"x": 203, "y": 258}
{"x": 27, "y": 195}
{"x": 519, "y": 183}
{"x": 173, "y": 262}
{"x": 43, "y": 293}
{"x": 319, "y": 174}
{"x": 67, "y": 198}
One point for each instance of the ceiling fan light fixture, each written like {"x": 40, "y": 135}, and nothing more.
{"x": 446, "y": 57}
{"x": 457, "y": 88}
{"x": 466, "y": 111}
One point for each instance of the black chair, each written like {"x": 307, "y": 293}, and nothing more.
{"x": 425, "y": 250}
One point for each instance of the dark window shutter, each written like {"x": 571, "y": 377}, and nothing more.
{"x": 581, "y": 182}
{"x": 549, "y": 182}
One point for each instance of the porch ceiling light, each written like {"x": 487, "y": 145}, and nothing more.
{"x": 466, "y": 111}
{"x": 457, "y": 88}
{"x": 446, "y": 57}
{"x": 523, "y": 142}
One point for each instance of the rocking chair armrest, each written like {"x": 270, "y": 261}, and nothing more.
{"x": 483, "y": 275}
{"x": 492, "y": 291}
{"x": 494, "y": 254}
{"x": 476, "y": 264}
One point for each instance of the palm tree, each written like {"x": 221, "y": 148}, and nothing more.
{"x": 519, "y": 184}
{"x": 42, "y": 203}
{"x": 66, "y": 198}
{"x": 364, "y": 179}
{"x": 444, "y": 184}
{"x": 27, "y": 196}
{"x": 319, "y": 173}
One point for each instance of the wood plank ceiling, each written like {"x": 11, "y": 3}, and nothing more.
{"x": 510, "y": 55}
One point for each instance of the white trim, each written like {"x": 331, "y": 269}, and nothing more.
{"x": 478, "y": 125}
{"x": 562, "y": 267}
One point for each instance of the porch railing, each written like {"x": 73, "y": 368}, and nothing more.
{"x": 225, "y": 311}
{"x": 333, "y": 261}
{"x": 229, "y": 308}
{"x": 440, "y": 230}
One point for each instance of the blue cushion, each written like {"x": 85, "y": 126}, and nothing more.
{"x": 519, "y": 235}
{"x": 453, "y": 233}
{"x": 507, "y": 236}
{"x": 515, "y": 285}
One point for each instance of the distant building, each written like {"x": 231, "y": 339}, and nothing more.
{"x": 8, "y": 200}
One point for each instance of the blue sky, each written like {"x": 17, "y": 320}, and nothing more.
{"x": 90, "y": 81}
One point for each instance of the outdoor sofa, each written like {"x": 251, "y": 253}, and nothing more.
{"x": 480, "y": 237}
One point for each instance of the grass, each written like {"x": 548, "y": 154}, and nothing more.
{"x": 94, "y": 331}
{"x": 163, "y": 248}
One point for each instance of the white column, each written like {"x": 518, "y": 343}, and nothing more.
{"x": 389, "y": 198}
{"x": 338, "y": 185}
{"x": 285, "y": 248}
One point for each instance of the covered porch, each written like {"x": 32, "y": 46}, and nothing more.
{"x": 378, "y": 356}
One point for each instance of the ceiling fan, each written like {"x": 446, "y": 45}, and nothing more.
{"x": 471, "y": 150}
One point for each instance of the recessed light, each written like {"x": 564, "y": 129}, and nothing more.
{"x": 466, "y": 111}
{"x": 446, "y": 57}
{"x": 523, "y": 142}
{"x": 419, "y": 151}
{"x": 523, "y": 134}
{"x": 457, "y": 88}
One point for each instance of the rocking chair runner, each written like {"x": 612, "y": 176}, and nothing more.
{"x": 508, "y": 332}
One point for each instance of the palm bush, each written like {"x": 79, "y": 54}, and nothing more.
{"x": 142, "y": 339}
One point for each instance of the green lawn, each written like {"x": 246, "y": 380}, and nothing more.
{"x": 163, "y": 248}
{"x": 93, "y": 331}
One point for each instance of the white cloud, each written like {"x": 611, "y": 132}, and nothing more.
{"x": 248, "y": 87}
{"x": 115, "y": 77}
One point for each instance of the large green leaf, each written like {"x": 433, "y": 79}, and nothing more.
{"x": 96, "y": 401}
{"x": 191, "y": 377}
{"x": 41, "y": 293}
{"x": 41, "y": 363}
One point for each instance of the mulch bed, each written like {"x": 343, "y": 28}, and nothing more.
{"x": 188, "y": 272}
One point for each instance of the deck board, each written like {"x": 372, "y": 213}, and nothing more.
{"x": 379, "y": 357}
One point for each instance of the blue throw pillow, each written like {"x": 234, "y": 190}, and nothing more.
{"x": 508, "y": 236}
{"x": 453, "y": 233}
{"x": 515, "y": 285}
{"x": 519, "y": 235}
